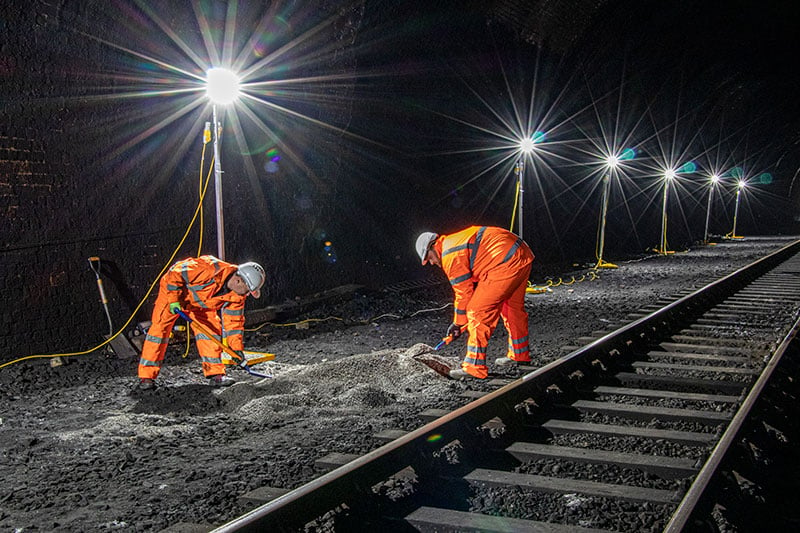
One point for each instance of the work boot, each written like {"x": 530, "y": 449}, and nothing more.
{"x": 460, "y": 373}
{"x": 147, "y": 384}
{"x": 220, "y": 380}
{"x": 505, "y": 362}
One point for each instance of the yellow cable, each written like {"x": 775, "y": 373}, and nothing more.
{"x": 147, "y": 294}
{"x": 516, "y": 202}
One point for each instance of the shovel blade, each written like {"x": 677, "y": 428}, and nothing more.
{"x": 439, "y": 364}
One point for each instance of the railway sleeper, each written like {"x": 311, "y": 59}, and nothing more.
{"x": 440, "y": 520}
{"x": 497, "y": 478}
{"x": 695, "y": 336}
{"x": 690, "y": 438}
{"x": 694, "y": 347}
{"x": 679, "y": 383}
{"x": 701, "y": 358}
{"x": 734, "y": 324}
{"x": 662, "y": 466}
{"x": 647, "y": 412}
{"x": 647, "y": 366}
{"x": 666, "y": 394}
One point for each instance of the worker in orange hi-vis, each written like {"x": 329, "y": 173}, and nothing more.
{"x": 210, "y": 292}
{"x": 488, "y": 268}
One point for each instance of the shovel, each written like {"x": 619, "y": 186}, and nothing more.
{"x": 242, "y": 361}
{"x": 440, "y": 365}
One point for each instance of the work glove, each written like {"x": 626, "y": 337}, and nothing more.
{"x": 241, "y": 360}
{"x": 174, "y": 307}
{"x": 454, "y": 330}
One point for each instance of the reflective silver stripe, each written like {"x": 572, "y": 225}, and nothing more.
{"x": 461, "y": 311}
{"x": 193, "y": 288}
{"x": 148, "y": 362}
{"x": 511, "y": 251}
{"x": 232, "y": 312}
{"x": 520, "y": 340}
{"x": 234, "y": 332}
{"x": 520, "y": 350}
{"x": 204, "y": 337}
{"x": 223, "y": 310}
{"x": 212, "y": 360}
{"x": 476, "y": 362}
{"x": 478, "y": 237}
{"x": 156, "y": 340}
{"x": 476, "y": 349}
{"x": 173, "y": 287}
{"x": 460, "y": 279}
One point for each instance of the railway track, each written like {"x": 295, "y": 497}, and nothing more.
{"x": 627, "y": 432}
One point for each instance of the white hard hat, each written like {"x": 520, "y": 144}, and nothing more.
{"x": 253, "y": 276}
{"x": 424, "y": 242}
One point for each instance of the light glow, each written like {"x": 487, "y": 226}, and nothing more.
{"x": 669, "y": 174}
{"x": 222, "y": 86}
{"x": 526, "y": 146}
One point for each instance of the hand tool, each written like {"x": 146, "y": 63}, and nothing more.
{"x": 232, "y": 353}
{"x": 103, "y": 299}
{"x": 448, "y": 339}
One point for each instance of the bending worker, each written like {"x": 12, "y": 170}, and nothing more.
{"x": 488, "y": 268}
{"x": 210, "y": 292}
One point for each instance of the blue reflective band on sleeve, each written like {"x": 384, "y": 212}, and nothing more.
{"x": 511, "y": 251}
{"x": 478, "y": 237}
{"x": 461, "y": 311}
{"x": 456, "y": 249}
{"x": 460, "y": 279}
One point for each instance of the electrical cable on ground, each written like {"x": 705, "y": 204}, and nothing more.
{"x": 308, "y": 320}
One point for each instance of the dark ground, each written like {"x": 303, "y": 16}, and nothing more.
{"x": 81, "y": 452}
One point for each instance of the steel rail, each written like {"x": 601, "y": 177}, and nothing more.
{"x": 696, "y": 491}
{"x": 352, "y": 481}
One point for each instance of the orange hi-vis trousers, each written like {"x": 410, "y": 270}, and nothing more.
{"x": 157, "y": 339}
{"x": 494, "y": 299}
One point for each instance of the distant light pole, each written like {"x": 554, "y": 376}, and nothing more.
{"x": 526, "y": 147}
{"x": 612, "y": 162}
{"x": 222, "y": 87}
{"x": 712, "y": 183}
{"x": 669, "y": 175}
{"x": 739, "y": 188}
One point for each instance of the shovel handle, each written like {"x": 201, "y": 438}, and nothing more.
{"x": 448, "y": 339}
{"x": 211, "y": 336}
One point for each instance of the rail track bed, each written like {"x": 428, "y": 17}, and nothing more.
{"x": 637, "y": 428}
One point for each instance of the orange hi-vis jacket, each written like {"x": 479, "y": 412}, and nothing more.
{"x": 195, "y": 282}
{"x": 198, "y": 285}
{"x": 476, "y": 254}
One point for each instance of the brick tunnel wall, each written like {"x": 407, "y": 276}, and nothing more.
{"x": 72, "y": 186}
